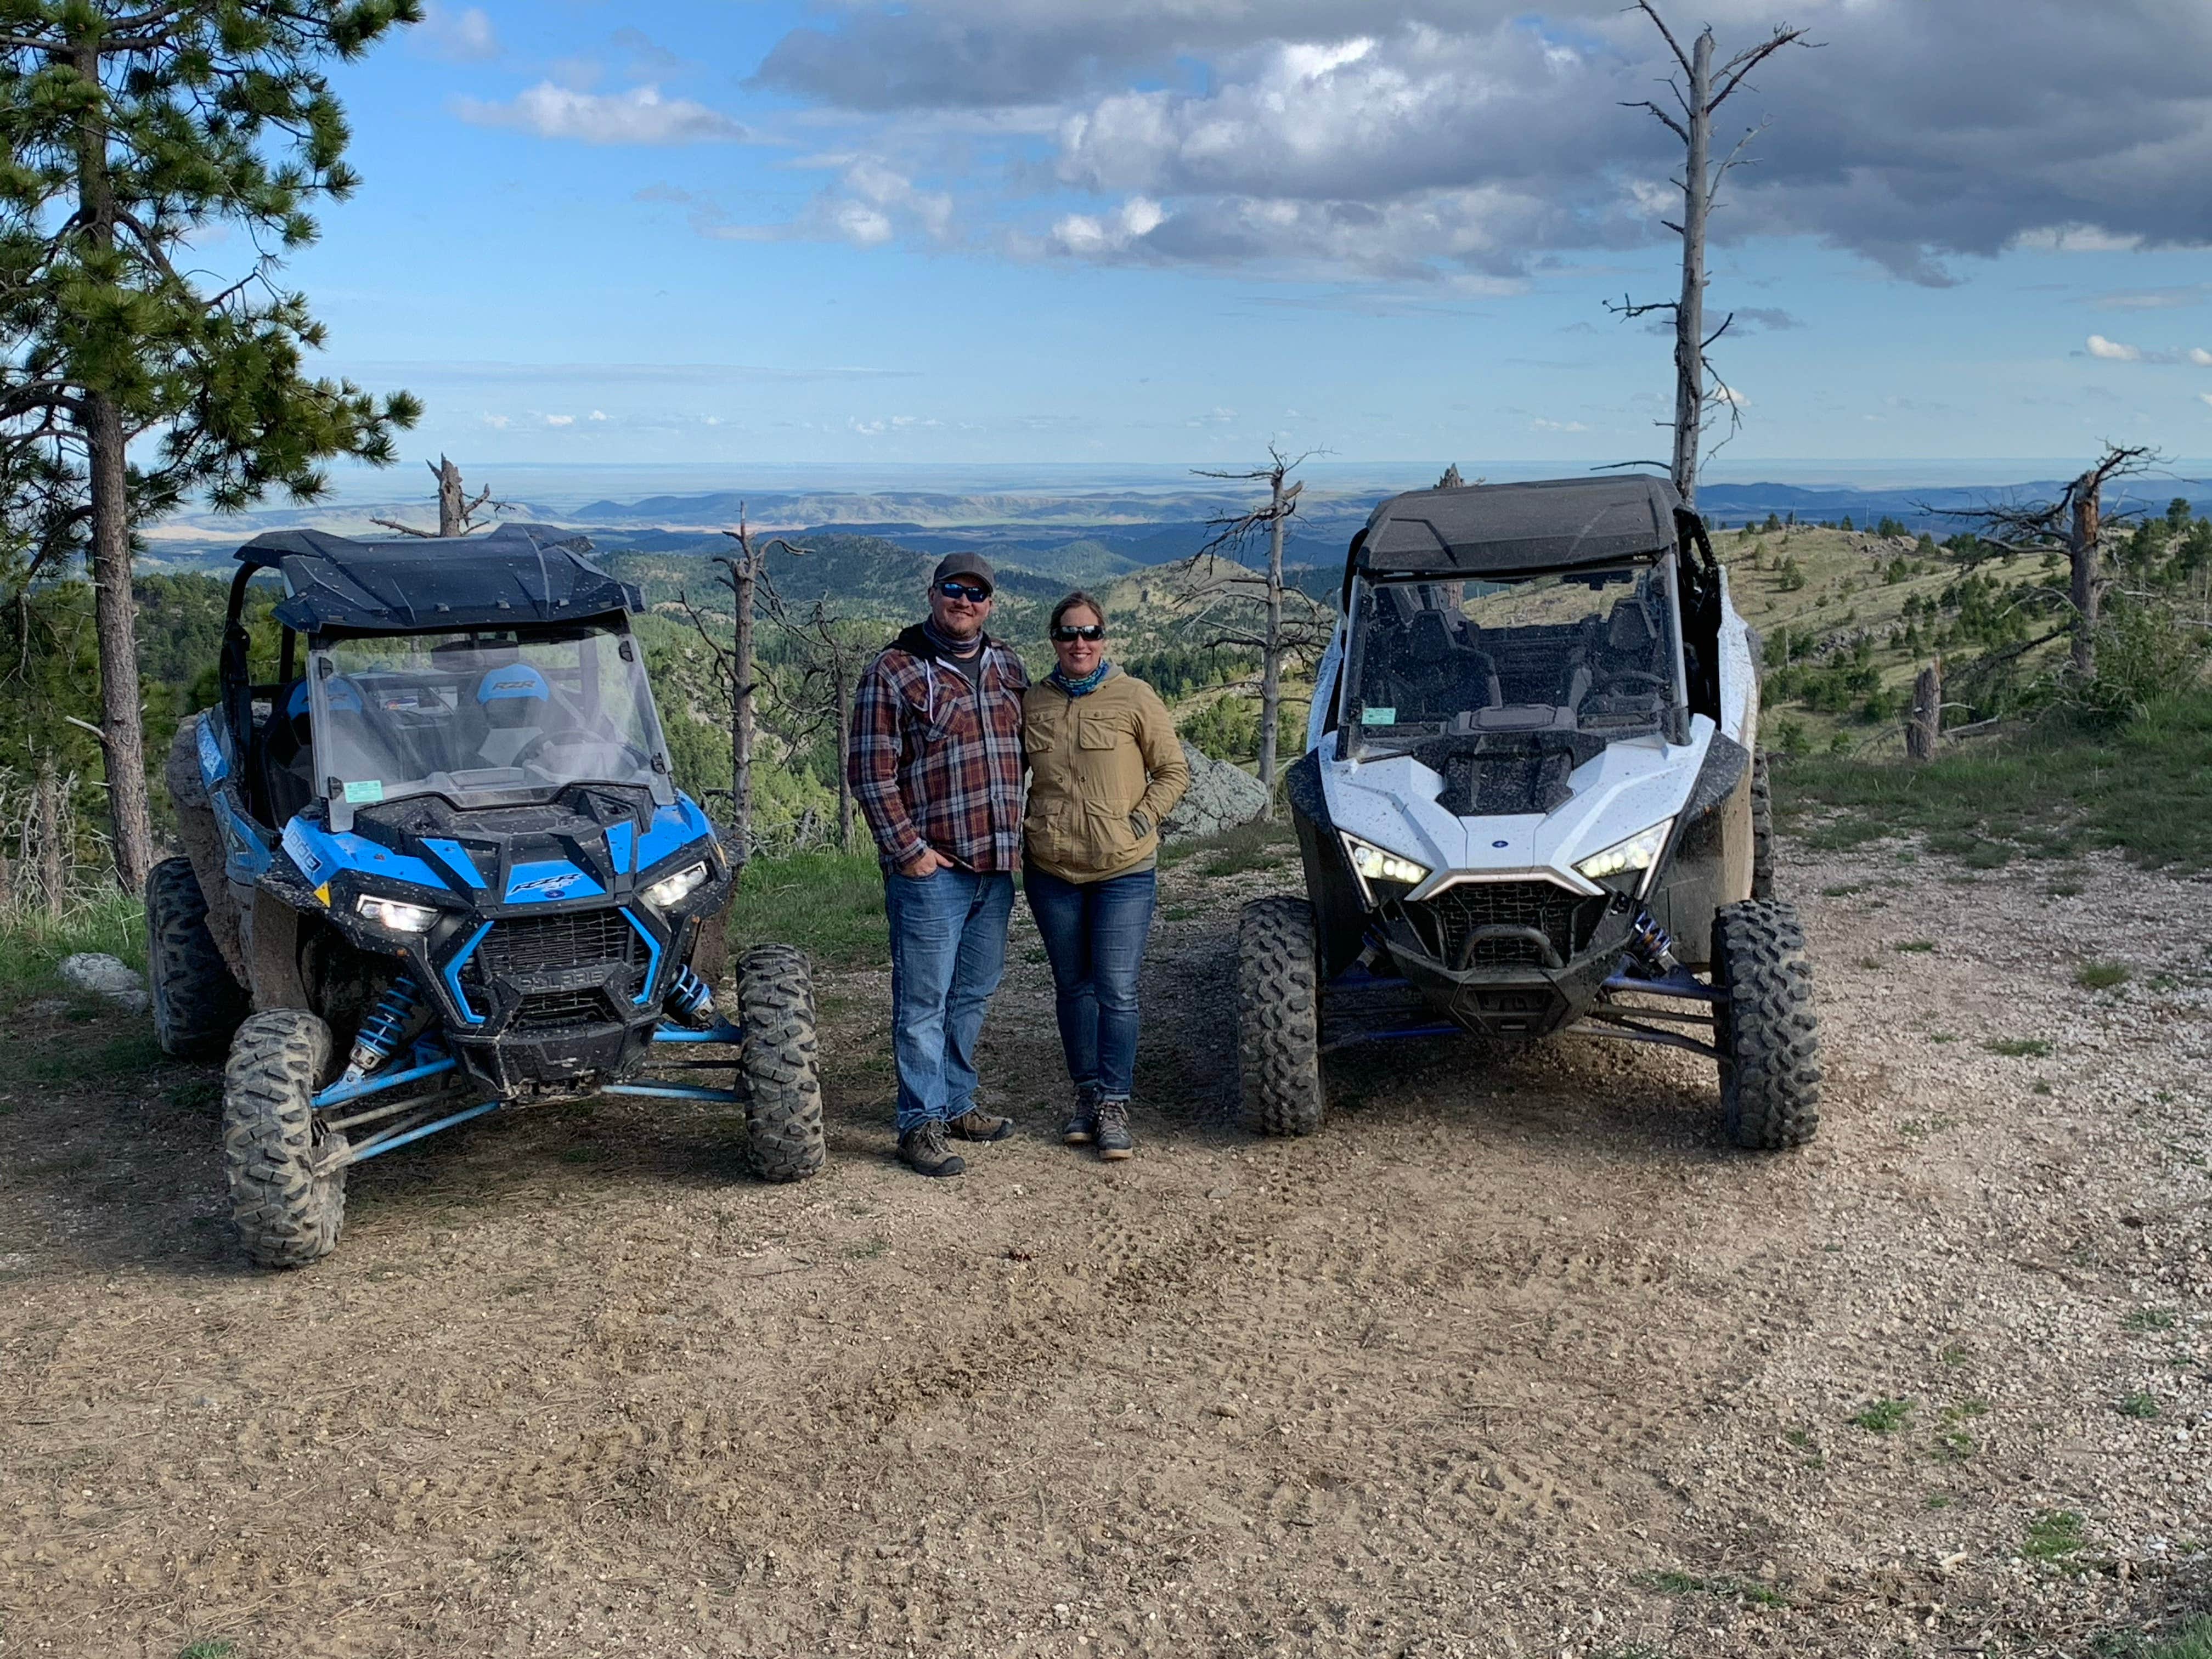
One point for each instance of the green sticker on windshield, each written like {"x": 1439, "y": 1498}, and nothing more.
{"x": 370, "y": 792}
{"x": 1386, "y": 716}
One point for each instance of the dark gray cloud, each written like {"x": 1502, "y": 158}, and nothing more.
{"x": 1401, "y": 138}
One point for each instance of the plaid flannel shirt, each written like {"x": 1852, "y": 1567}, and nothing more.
{"x": 937, "y": 762}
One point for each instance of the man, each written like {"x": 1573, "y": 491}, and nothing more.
{"x": 936, "y": 764}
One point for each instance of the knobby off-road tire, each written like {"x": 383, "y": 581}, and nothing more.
{"x": 1279, "y": 1016}
{"x": 197, "y": 1003}
{"x": 286, "y": 1216}
{"x": 1767, "y": 1032}
{"x": 1762, "y": 828}
{"x": 780, "y": 1063}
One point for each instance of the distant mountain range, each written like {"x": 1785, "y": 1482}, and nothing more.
{"x": 1046, "y": 539}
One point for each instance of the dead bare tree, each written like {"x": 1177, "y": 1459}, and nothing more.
{"x": 1709, "y": 87}
{"x": 457, "y": 512}
{"x": 2074, "y": 524}
{"x": 828, "y": 668}
{"x": 745, "y": 574}
{"x": 1278, "y": 634}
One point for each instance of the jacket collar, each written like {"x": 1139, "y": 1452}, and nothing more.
{"x": 914, "y": 641}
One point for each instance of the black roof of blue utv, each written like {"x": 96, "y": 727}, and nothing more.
{"x": 518, "y": 574}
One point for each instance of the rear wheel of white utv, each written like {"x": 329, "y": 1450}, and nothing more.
{"x": 1762, "y": 828}
{"x": 780, "y": 1063}
{"x": 1767, "y": 1032}
{"x": 286, "y": 1215}
{"x": 1279, "y": 1016}
{"x": 197, "y": 1004}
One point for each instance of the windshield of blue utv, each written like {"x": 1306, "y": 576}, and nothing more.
{"x": 482, "y": 717}
{"x": 1590, "y": 650}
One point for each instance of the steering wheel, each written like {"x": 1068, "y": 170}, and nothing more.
{"x": 577, "y": 734}
{"x": 1633, "y": 679}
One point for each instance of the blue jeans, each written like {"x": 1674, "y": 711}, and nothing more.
{"x": 948, "y": 949}
{"x": 1094, "y": 934}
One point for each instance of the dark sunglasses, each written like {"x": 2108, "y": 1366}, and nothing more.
{"x": 1067, "y": 631}
{"x": 969, "y": 592}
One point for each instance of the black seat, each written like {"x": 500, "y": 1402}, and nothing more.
{"x": 286, "y": 761}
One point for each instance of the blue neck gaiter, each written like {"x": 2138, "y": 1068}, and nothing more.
{"x": 1087, "y": 684}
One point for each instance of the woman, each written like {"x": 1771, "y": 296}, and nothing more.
{"x": 1105, "y": 769}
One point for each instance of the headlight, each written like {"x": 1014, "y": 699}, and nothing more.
{"x": 390, "y": 912}
{"x": 674, "y": 890}
{"x": 1639, "y": 852}
{"x": 1375, "y": 864}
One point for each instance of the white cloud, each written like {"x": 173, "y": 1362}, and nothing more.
{"x": 2204, "y": 396}
{"x": 870, "y": 206}
{"x": 466, "y": 36}
{"x": 497, "y": 423}
{"x": 598, "y": 415}
{"x": 639, "y": 116}
{"x": 1540, "y": 424}
{"x": 2200, "y": 356}
{"x": 560, "y": 419}
{"x": 2112, "y": 351}
{"x": 1728, "y": 394}
{"x": 2075, "y": 238}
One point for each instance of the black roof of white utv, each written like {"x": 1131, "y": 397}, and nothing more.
{"x": 517, "y": 574}
{"x": 1491, "y": 529}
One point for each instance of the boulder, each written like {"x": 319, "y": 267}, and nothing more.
{"x": 1220, "y": 797}
{"x": 107, "y": 976}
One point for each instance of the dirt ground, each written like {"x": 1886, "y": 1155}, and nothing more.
{"x": 1515, "y": 1358}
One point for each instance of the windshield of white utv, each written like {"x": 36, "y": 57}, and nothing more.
{"x": 1587, "y": 651}
{"x": 480, "y": 717}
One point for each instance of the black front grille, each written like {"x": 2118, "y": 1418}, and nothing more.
{"x": 560, "y": 1008}
{"x": 1453, "y": 916}
{"x": 534, "y": 944}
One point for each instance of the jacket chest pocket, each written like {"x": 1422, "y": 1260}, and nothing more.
{"x": 1100, "y": 732}
{"x": 952, "y": 718}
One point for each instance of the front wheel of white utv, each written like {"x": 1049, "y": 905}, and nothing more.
{"x": 1767, "y": 1031}
{"x": 1279, "y": 1016}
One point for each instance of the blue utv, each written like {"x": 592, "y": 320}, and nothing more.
{"x": 437, "y": 867}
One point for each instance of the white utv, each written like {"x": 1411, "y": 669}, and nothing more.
{"x": 1532, "y": 801}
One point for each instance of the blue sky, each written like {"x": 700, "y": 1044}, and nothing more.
{"x": 1028, "y": 231}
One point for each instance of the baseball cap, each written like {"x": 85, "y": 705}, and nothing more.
{"x": 966, "y": 564}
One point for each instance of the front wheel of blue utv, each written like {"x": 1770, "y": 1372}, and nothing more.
{"x": 780, "y": 1063}
{"x": 286, "y": 1200}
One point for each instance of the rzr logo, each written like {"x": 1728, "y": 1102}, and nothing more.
{"x": 551, "y": 886}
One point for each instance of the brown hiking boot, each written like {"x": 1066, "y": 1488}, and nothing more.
{"x": 976, "y": 1124}
{"x": 1082, "y": 1118}
{"x": 922, "y": 1150}
{"x": 1115, "y": 1143}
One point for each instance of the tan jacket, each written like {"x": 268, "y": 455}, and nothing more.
{"x": 1104, "y": 770}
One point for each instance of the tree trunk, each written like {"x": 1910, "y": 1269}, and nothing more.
{"x": 1270, "y": 660}
{"x": 1925, "y": 724}
{"x": 453, "y": 510}
{"x": 843, "y": 692}
{"x": 1689, "y": 310}
{"x": 115, "y": 622}
{"x": 53, "y": 861}
{"x": 742, "y": 575}
{"x": 2082, "y": 557}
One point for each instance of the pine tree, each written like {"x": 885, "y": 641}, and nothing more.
{"x": 127, "y": 386}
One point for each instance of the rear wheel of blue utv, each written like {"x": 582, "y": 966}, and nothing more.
{"x": 780, "y": 1063}
{"x": 197, "y": 1003}
{"x": 287, "y": 1214}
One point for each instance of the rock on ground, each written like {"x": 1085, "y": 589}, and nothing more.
{"x": 108, "y": 976}
{"x": 1221, "y": 797}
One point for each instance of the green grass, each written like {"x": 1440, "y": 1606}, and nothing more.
{"x": 2148, "y": 1319}
{"x": 209, "y": 1649}
{"x": 2145, "y": 788}
{"x": 2052, "y": 1535}
{"x": 1916, "y": 946}
{"x": 1260, "y": 845}
{"x": 2101, "y": 975}
{"x": 1683, "y": 1583}
{"x": 2019, "y": 1048}
{"x": 122, "y": 1056}
{"x": 1882, "y": 1416}
{"x": 2192, "y": 1641}
{"x": 31, "y": 947}
{"x": 830, "y": 905}
{"x": 2138, "y": 1405}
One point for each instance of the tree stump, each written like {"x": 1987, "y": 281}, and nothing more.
{"x": 1925, "y": 726}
